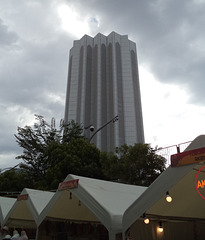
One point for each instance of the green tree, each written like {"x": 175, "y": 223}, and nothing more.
{"x": 138, "y": 164}
{"x": 50, "y": 154}
{"x": 77, "y": 157}
{"x": 12, "y": 181}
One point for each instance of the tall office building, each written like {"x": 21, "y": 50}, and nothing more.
{"x": 103, "y": 83}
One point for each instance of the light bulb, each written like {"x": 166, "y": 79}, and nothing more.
{"x": 146, "y": 220}
{"x": 168, "y": 197}
{"x": 160, "y": 228}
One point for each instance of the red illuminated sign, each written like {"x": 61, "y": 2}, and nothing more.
{"x": 188, "y": 157}
{"x": 68, "y": 184}
{"x": 22, "y": 197}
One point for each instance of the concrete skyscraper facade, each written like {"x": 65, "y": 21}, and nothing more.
{"x": 102, "y": 83}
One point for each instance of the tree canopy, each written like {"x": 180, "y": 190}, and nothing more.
{"x": 50, "y": 154}
{"x": 138, "y": 164}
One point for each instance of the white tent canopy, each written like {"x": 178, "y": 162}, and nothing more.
{"x": 100, "y": 201}
{"x": 5, "y": 205}
{"x": 180, "y": 182}
{"x": 26, "y": 209}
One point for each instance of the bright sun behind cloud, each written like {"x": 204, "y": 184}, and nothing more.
{"x": 75, "y": 24}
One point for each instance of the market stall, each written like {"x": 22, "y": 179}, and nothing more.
{"x": 26, "y": 209}
{"x": 5, "y": 206}
{"x": 87, "y": 208}
{"x": 183, "y": 215}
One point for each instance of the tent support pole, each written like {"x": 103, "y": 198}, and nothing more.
{"x": 112, "y": 235}
{"x": 37, "y": 233}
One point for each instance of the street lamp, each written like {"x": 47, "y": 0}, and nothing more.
{"x": 92, "y": 127}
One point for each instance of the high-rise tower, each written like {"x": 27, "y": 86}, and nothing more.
{"x": 103, "y": 82}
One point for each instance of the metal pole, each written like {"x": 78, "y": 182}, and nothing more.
{"x": 112, "y": 120}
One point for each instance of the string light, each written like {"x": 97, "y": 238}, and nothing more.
{"x": 146, "y": 220}
{"x": 160, "y": 228}
{"x": 168, "y": 197}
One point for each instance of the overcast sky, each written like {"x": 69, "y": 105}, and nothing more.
{"x": 35, "y": 39}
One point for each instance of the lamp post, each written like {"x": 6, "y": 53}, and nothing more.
{"x": 92, "y": 127}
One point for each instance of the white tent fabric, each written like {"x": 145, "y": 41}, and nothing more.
{"x": 24, "y": 213}
{"x": 5, "y": 206}
{"x": 103, "y": 201}
{"x": 180, "y": 182}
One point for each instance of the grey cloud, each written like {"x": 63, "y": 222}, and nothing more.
{"x": 6, "y": 37}
{"x": 169, "y": 36}
{"x": 32, "y": 71}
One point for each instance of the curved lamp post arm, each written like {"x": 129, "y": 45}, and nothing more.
{"x": 112, "y": 120}
{"x": 88, "y": 126}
